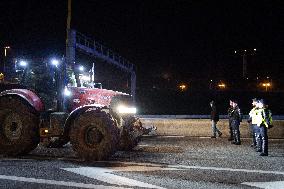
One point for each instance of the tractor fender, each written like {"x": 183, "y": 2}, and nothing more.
{"x": 74, "y": 114}
{"x": 26, "y": 95}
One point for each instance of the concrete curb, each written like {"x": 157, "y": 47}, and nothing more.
{"x": 202, "y": 127}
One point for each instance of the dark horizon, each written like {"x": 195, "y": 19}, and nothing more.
{"x": 179, "y": 40}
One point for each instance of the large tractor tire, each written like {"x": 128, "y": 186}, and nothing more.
{"x": 94, "y": 135}
{"x": 131, "y": 133}
{"x": 19, "y": 131}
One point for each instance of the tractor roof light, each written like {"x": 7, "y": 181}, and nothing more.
{"x": 67, "y": 92}
{"x": 81, "y": 68}
{"x": 55, "y": 62}
{"x": 23, "y": 63}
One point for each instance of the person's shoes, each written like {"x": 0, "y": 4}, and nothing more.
{"x": 220, "y": 134}
{"x": 233, "y": 142}
{"x": 154, "y": 128}
{"x": 258, "y": 150}
{"x": 263, "y": 154}
{"x": 230, "y": 139}
{"x": 213, "y": 137}
{"x": 237, "y": 143}
{"x": 252, "y": 145}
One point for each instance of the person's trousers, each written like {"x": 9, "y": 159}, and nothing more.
{"x": 236, "y": 132}
{"x": 262, "y": 140}
{"x": 215, "y": 130}
{"x": 253, "y": 133}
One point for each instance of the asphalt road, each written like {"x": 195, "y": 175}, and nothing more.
{"x": 158, "y": 162}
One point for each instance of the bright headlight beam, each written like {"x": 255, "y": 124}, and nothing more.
{"x": 126, "y": 110}
{"x": 67, "y": 92}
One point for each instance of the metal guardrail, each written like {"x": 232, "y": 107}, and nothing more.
{"x": 94, "y": 46}
{"x": 274, "y": 117}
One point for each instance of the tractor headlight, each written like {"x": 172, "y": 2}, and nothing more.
{"x": 126, "y": 110}
{"x": 67, "y": 92}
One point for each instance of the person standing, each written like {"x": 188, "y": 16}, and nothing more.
{"x": 264, "y": 119}
{"x": 253, "y": 121}
{"x": 214, "y": 120}
{"x": 236, "y": 119}
{"x": 230, "y": 110}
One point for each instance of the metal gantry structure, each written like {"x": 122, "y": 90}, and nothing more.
{"x": 94, "y": 48}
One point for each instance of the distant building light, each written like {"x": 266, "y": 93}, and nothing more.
{"x": 235, "y": 52}
{"x": 254, "y": 49}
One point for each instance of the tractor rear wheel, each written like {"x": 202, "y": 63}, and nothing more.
{"x": 131, "y": 133}
{"x": 94, "y": 135}
{"x": 19, "y": 133}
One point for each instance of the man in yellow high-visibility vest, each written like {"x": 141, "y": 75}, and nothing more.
{"x": 261, "y": 135}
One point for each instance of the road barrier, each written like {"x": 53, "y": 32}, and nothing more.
{"x": 201, "y": 127}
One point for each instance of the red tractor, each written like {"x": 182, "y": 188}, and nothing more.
{"x": 96, "y": 121}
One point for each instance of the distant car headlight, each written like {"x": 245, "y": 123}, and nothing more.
{"x": 126, "y": 110}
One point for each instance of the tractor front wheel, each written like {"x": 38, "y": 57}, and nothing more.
{"x": 94, "y": 135}
{"x": 131, "y": 133}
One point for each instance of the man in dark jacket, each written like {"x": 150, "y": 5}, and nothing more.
{"x": 230, "y": 111}
{"x": 236, "y": 119}
{"x": 214, "y": 120}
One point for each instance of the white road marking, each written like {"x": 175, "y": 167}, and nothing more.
{"x": 105, "y": 175}
{"x": 59, "y": 183}
{"x": 266, "y": 185}
{"x": 182, "y": 167}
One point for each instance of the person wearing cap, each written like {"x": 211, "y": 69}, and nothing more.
{"x": 230, "y": 111}
{"x": 261, "y": 135}
{"x": 236, "y": 119}
{"x": 214, "y": 120}
{"x": 252, "y": 120}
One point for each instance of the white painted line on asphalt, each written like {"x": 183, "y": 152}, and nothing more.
{"x": 226, "y": 169}
{"x": 106, "y": 175}
{"x": 58, "y": 183}
{"x": 266, "y": 185}
{"x": 171, "y": 136}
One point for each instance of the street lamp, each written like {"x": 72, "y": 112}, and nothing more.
{"x": 222, "y": 85}
{"x": 266, "y": 85}
{"x": 5, "y": 55}
{"x": 182, "y": 87}
{"x": 5, "y": 50}
{"x": 244, "y": 53}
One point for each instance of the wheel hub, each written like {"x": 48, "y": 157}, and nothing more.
{"x": 93, "y": 136}
{"x": 13, "y": 126}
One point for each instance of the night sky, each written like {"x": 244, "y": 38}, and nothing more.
{"x": 176, "y": 40}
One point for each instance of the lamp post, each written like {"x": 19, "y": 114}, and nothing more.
{"x": 244, "y": 53}
{"x": 5, "y": 57}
